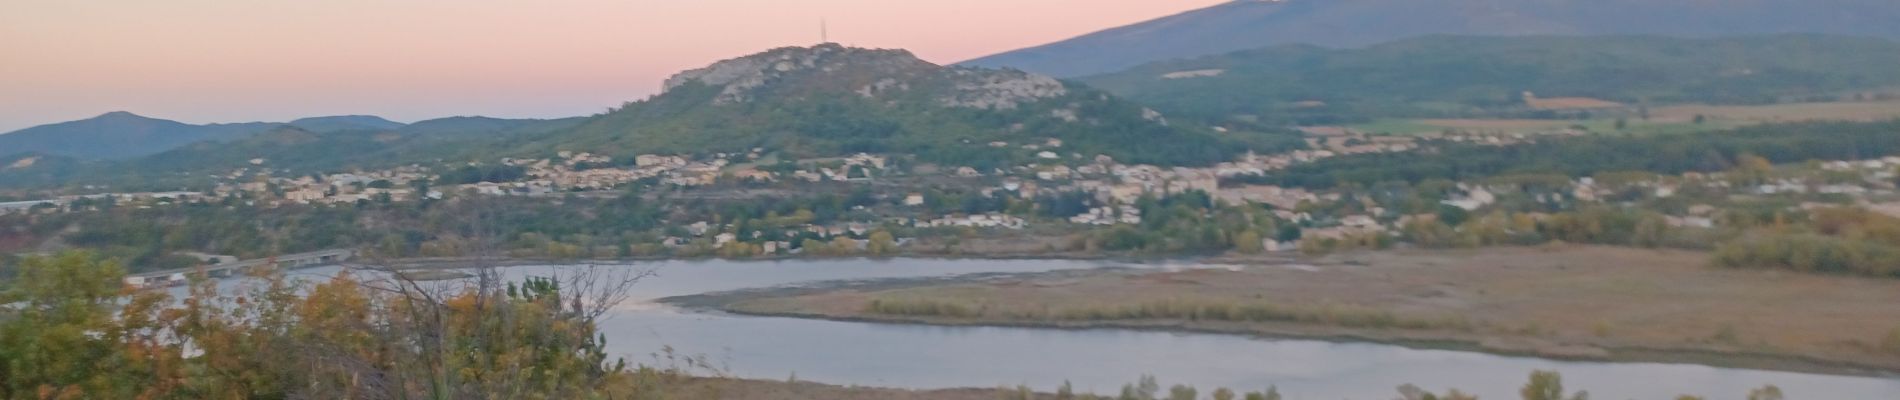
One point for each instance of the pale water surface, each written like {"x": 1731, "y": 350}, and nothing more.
{"x": 1102, "y": 360}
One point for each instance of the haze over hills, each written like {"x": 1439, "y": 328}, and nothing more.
{"x": 122, "y": 135}
{"x": 831, "y": 99}
{"x": 117, "y": 135}
{"x": 818, "y": 101}
{"x": 1251, "y": 24}
{"x": 346, "y": 123}
{"x": 1479, "y": 76}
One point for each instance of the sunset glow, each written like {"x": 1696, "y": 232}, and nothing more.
{"x": 205, "y": 61}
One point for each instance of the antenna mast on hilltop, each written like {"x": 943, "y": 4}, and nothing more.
{"x": 824, "y": 31}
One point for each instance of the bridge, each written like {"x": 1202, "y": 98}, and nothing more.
{"x": 286, "y": 262}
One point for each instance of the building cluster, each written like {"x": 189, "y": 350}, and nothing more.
{"x": 345, "y": 188}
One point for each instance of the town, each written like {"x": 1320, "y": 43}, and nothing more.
{"x": 1110, "y": 191}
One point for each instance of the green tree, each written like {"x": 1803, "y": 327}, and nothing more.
{"x": 60, "y": 340}
{"x": 1223, "y": 394}
{"x": 1769, "y": 392}
{"x": 881, "y": 243}
{"x": 1548, "y": 385}
{"x": 1183, "y": 392}
{"x": 1248, "y": 242}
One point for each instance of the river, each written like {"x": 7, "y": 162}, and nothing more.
{"x": 909, "y": 356}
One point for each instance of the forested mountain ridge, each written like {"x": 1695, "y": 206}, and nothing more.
{"x": 1450, "y": 75}
{"x": 123, "y": 135}
{"x": 1251, "y": 24}
{"x": 286, "y": 147}
{"x": 345, "y": 123}
{"x": 830, "y": 100}
{"x": 118, "y": 134}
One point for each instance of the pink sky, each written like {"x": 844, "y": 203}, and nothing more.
{"x": 205, "y": 61}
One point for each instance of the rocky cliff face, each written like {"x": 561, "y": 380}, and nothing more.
{"x": 892, "y": 75}
{"x": 999, "y": 89}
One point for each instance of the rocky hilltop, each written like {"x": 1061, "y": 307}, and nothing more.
{"x": 871, "y": 73}
{"x": 831, "y": 99}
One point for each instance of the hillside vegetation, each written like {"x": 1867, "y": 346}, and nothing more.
{"x": 1452, "y": 76}
{"x": 830, "y": 100}
{"x": 1251, "y": 24}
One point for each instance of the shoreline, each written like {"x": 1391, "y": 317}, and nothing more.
{"x": 725, "y": 302}
{"x": 435, "y": 263}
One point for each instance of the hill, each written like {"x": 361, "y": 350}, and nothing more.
{"x": 831, "y": 100}
{"x": 1453, "y": 76}
{"x": 486, "y": 127}
{"x": 118, "y": 135}
{"x": 346, "y": 123}
{"x": 1251, "y": 24}
{"x": 288, "y": 148}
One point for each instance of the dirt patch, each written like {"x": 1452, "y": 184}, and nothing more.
{"x": 1564, "y": 302}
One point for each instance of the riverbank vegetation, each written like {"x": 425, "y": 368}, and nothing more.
{"x": 1568, "y": 301}
{"x": 73, "y": 332}
{"x": 1168, "y": 309}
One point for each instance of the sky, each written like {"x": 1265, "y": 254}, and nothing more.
{"x": 204, "y": 61}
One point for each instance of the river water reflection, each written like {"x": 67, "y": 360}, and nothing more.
{"x": 1102, "y": 360}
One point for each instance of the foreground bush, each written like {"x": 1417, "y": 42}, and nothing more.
{"x": 73, "y": 333}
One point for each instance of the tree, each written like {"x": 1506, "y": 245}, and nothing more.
{"x": 60, "y": 340}
{"x": 812, "y": 246}
{"x": 1223, "y": 394}
{"x": 1183, "y": 392}
{"x": 1769, "y": 392}
{"x": 843, "y": 245}
{"x": 1548, "y": 385}
{"x": 1248, "y": 242}
{"x": 1752, "y": 169}
{"x": 881, "y": 243}
{"x": 75, "y": 334}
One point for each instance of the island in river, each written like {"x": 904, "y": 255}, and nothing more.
{"x": 1569, "y": 302}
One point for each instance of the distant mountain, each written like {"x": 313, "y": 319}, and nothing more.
{"x": 1458, "y": 75}
{"x": 118, "y": 135}
{"x": 295, "y": 148}
{"x": 831, "y": 100}
{"x": 485, "y": 126}
{"x": 337, "y": 144}
{"x": 1250, "y": 24}
{"x": 346, "y": 123}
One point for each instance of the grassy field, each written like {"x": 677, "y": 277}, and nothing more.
{"x": 1586, "y": 302}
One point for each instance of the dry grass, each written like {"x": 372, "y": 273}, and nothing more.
{"x": 1553, "y": 300}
